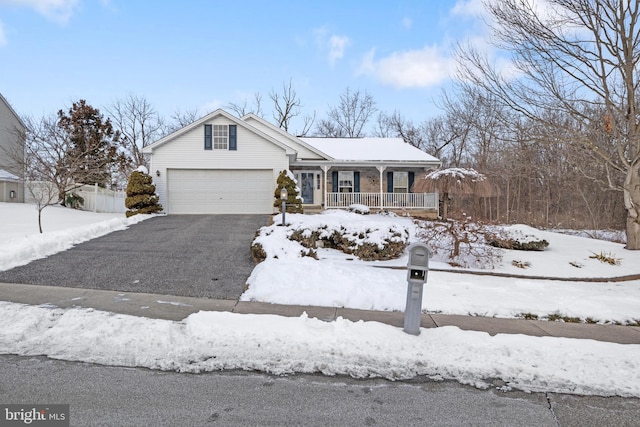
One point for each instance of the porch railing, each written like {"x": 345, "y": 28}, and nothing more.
{"x": 384, "y": 200}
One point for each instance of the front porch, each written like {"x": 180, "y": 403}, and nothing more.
{"x": 387, "y": 201}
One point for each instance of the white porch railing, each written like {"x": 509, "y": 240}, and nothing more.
{"x": 384, "y": 200}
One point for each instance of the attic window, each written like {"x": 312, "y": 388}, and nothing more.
{"x": 220, "y": 137}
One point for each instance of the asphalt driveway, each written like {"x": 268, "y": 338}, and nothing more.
{"x": 185, "y": 255}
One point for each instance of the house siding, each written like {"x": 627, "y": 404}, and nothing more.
{"x": 187, "y": 152}
{"x": 10, "y": 142}
{"x": 303, "y": 153}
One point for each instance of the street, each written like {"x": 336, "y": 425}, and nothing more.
{"x": 114, "y": 396}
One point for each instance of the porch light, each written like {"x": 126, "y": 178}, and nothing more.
{"x": 157, "y": 173}
{"x": 12, "y": 194}
{"x": 283, "y": 197}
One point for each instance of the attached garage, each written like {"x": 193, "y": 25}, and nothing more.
{"x": 220, "y": 191}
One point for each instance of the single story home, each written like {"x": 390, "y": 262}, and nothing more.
{"x": 228, "y": 165}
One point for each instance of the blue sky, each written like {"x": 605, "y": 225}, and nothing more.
{"x": 205, "y": 54}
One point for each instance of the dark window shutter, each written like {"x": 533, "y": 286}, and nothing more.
{"x": 389, "y": 182}
{"x": 208, "y": 132}
{"x": 233, "y": 138}
{"x": 334, "y": 181}
{"x": 412, "y": 177}
{"x": 356, "y": 182}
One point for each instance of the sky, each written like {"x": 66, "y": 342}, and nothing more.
{"x": 209, "y": 341}
{"x": 206, "y": 54}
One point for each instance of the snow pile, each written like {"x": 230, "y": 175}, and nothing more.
{"x": 211, "y": 341}
{"x": 143, "y": 169}
{"x": 456, "y": 173}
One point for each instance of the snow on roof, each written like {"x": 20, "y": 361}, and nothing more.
{"x": 369, "y": 149}
{"x": 8, "y": 176}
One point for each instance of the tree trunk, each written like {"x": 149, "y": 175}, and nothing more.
{"x": 445, "y": 205}
{"x": 632, "y": 204}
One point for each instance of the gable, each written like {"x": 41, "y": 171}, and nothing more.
{"x": 191, "y": 132}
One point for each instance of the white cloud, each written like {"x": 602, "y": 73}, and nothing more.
{"x": 337, "y": 45}
{"x": 59, "y": 11}
{"x": 469, "y": 8}
{"x": 332, "y": 45}
{"x": 3, "y": 38}
{"x": 426, "y": 67}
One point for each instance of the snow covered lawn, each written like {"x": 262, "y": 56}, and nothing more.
{"x": 337, "y": 279}
{"x": 208, "y": 341}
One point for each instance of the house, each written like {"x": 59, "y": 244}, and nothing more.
{"x": 224, "y": 164}
{"x": 12, "y": 134}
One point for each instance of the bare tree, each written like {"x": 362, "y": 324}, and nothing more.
{"x": 581, "y": 56}
{"x": 43, "y": 194}
{"x": 139, "y": 125}
{"x": 180, "y": 119}
{"x": 349, "y": 117}
{"x": 242, "y": 109}
{"x": 47, "y": 154}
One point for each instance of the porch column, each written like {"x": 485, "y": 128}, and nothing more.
{"x": 381, "y": 169}
{"x": 325, "y": 170}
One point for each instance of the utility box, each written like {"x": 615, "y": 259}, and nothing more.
{"x": 417, "y": 269}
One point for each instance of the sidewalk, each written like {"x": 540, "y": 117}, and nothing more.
{"x": 177, "y": 308}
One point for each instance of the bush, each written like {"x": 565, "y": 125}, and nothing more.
{"x": 515, "y": 240}
{"x": 353, "y": 244}
{"x": 141, "y": 194}
{"x": 460, "y": 243}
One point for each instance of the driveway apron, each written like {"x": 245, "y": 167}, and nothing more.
{"x": 185, "y": 255}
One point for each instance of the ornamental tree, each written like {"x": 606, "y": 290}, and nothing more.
{"x": 294, "y": 201}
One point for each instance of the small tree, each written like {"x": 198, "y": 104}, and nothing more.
{"x": 141, "y": 194}
{"x": 294, "y": 201}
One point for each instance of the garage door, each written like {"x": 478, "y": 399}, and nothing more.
{"x": 217, "y": 191}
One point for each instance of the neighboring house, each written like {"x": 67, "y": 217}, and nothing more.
{"x": 224, "y": 164}
{"x": 12, "y": 133}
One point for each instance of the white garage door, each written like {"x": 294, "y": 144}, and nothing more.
{"x": 218, "y": 191}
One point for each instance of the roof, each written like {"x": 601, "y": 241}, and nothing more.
{"x": 8, "y": 176}
{"x": 370, "y": 149}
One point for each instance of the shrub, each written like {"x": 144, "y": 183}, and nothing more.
{"x": 607, "y": 258}
{"x": 460, "y": 243}
{"x": 141, "y": 194}
{"x": 294, "y": 201}
{"x": 515, "y": 240}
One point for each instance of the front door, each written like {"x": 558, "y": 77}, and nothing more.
{"x": 307, "y": 187}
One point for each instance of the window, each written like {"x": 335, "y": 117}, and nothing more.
{"x": 401, "y": 182}
{"x": 207, "y": 137}
{"x": 345, "y": 181}
{"x": 220, "y": 137}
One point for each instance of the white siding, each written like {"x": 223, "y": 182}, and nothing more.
{"x": 303, "y": 152}
{"x": 187, "y": 152}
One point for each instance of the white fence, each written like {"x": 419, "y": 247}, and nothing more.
{"x": 102, "y": 200}
{"x": 384, "y": 200}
